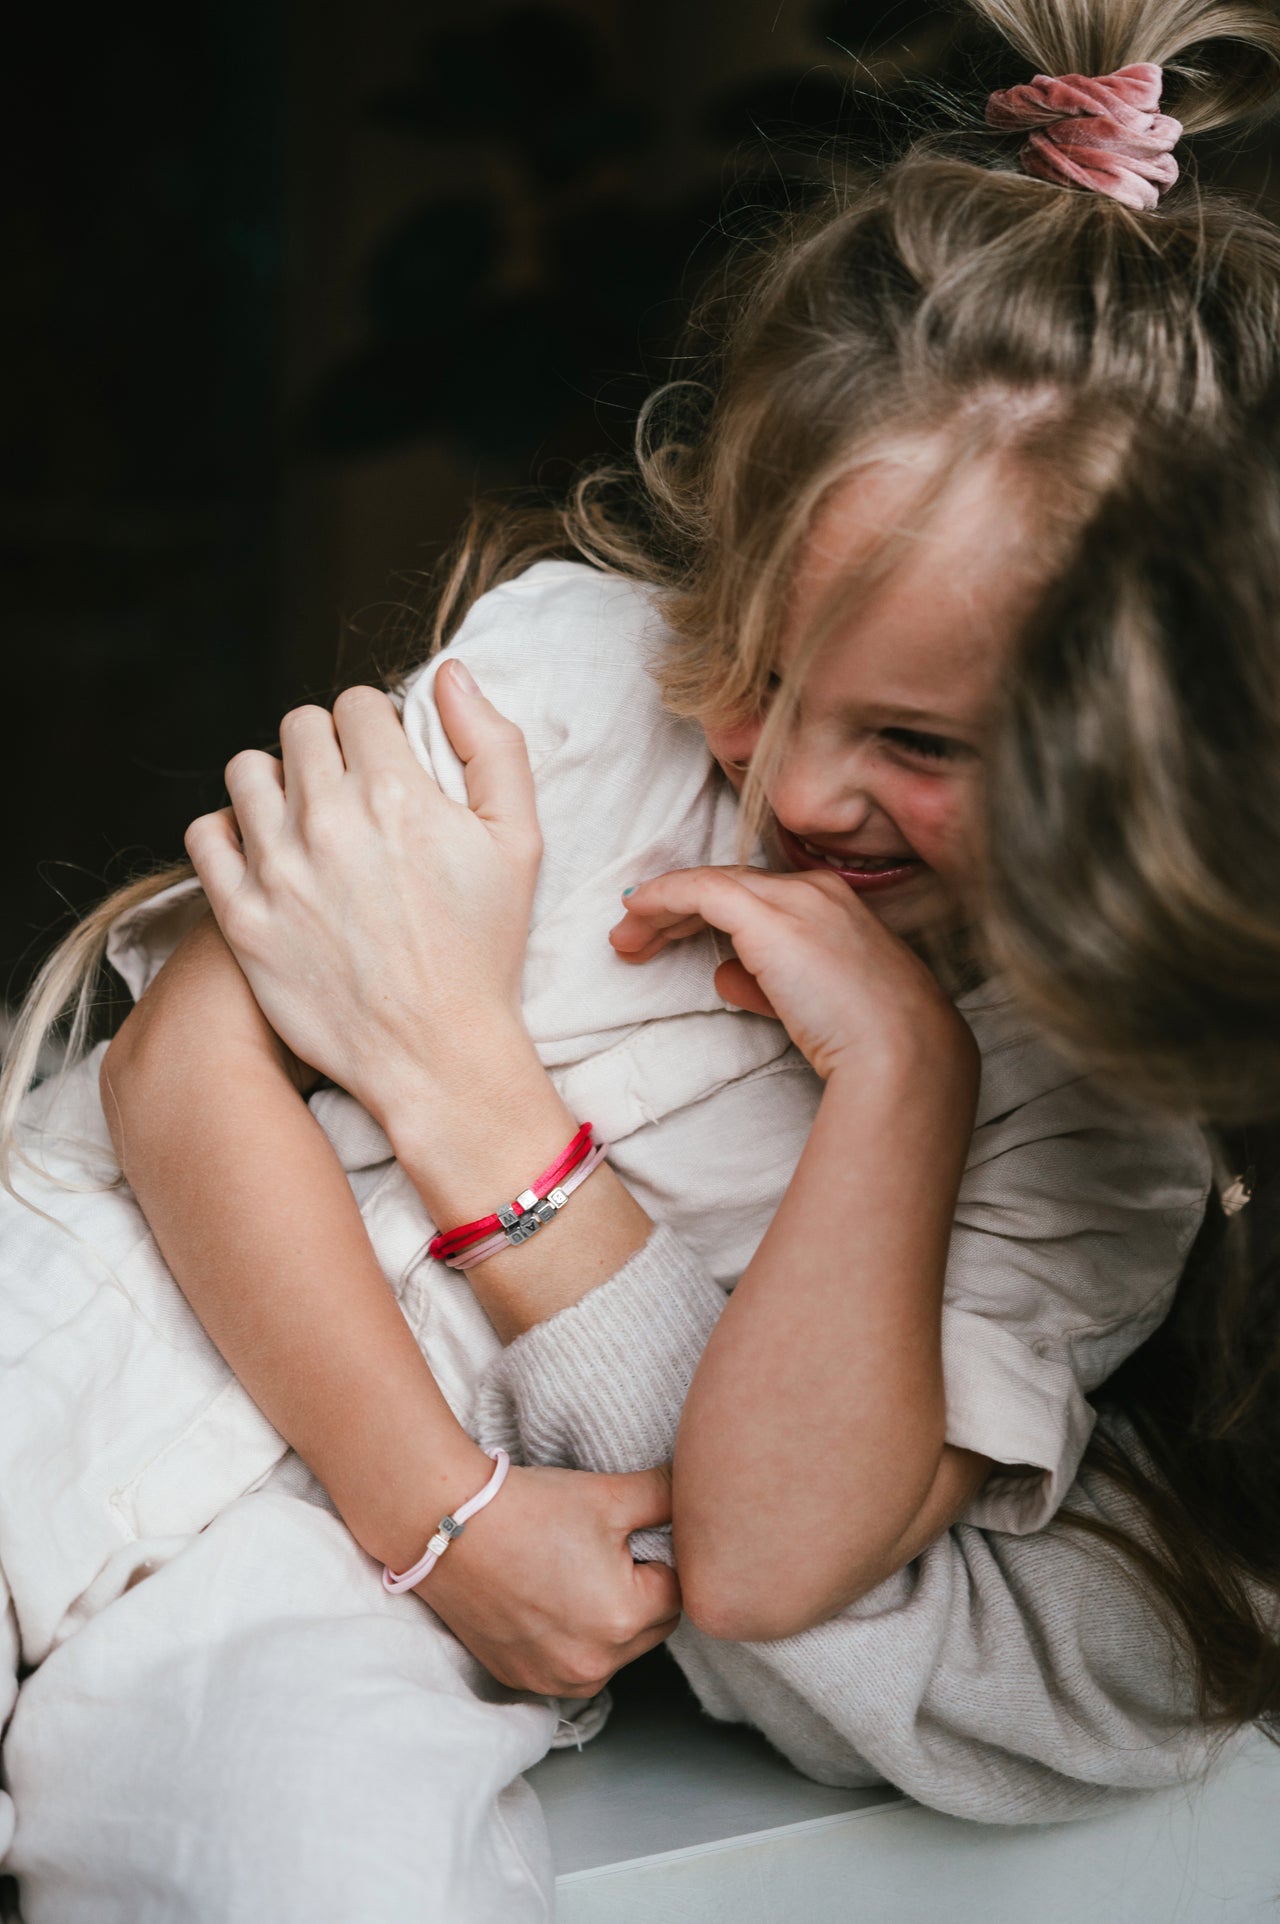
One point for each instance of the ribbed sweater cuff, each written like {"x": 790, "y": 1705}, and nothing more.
{"x": 601, "y": 1384}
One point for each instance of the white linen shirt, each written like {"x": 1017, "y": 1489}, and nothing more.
{"x": 1075, "y": 1211}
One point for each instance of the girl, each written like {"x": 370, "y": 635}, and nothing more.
{"x": 911, "y": 513}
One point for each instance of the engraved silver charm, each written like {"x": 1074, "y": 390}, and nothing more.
{"x": 557, "y": 1198}
{"x": 449, "y": 1526}
{"x": 523, "y": 1227}
{"x": 509, "y": 1216}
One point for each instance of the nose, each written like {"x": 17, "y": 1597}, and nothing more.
{"x": 815, "y": 794}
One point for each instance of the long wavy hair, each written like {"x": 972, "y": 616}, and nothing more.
{"x": 1131, "y": 896}
{"x": 952, "y": 300}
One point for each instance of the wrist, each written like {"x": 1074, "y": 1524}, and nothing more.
{"x": 935, "y": 1054}
{"x": 395, "y": 1521}
{"x": 472, "y": 1147}
{"x": 418, "y": 1096}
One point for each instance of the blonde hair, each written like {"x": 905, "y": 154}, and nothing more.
{"x": 932, "y": 295}
{"x": 63, "y": 990}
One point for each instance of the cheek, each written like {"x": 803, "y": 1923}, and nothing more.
{"x": 733, "y": 748}
{"x": 937, "y": 815}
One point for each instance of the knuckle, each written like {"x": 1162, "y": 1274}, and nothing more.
{"x": 297, "y": 716}
{"x": 239, "y": 925}
{"x": 359, "y": 695}
{"x": 319, "y": 821}
{"x": 506, "y": 730}
{"x": 271, "y": 872}
{"x": 526, "y": 842}
{"x": 386, "y": 792}
{"x": 621, "y": 1626}
{"x": 239, "y": 765}
{"x": 583, "y": 1676}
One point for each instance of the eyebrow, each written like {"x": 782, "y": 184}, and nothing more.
{"x": 914, "y": 715}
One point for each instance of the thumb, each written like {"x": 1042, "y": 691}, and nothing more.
{"x": 491, "y": 749}
{"x": 737, "y": 985}
{"x": 657, "y": 1587}
{"x": 642, "y": 1498}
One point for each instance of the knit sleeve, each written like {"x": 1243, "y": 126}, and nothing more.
{"x": 1007, "y": 1679}
{"x": 1011, "y": 1679}
{"x": 601, "y": 1384}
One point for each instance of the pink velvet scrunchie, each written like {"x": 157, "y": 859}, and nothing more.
{"x": 1106, "y": 134}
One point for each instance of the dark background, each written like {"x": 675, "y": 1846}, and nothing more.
{"x": 285, "y": 284}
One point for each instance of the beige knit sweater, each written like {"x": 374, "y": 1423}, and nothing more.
{"x": 1012, "y": 1679}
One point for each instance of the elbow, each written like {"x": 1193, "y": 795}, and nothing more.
{"x": 718, "y": 1613}
{"x": 761, "y": 1604}
{"x": 780, "y": 1587}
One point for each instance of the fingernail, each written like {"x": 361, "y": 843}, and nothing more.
{"x": 630, "y": 891}
{"x": 463, "y": 679}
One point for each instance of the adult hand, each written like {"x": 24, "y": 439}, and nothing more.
{"x": 381, "y": 926}
{"x": 807, "y": 952}
{"x": 542, "y": 1588}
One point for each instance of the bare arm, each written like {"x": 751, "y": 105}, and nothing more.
{"x": 255, "y": 1218}
{"x": 819, "y": 1398}
{"x": 257, "y": 1222}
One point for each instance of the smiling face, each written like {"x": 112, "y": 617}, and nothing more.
{"x": 880, "y": 774}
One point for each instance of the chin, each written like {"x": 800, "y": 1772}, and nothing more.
{"x": 905, "y": 918}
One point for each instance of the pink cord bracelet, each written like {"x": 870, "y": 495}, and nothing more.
{"x": 449, "y": 1242}
{"x": 447, "y": 1529}
{"x": 541, "y": 1212}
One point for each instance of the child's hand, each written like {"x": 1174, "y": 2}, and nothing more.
{"x": 808, "y": 952}
{"x": 382, "y": 927}
{"x": 542, "y": 1588}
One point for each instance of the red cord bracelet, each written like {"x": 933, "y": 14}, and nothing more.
{"x": 450, "y": 1242}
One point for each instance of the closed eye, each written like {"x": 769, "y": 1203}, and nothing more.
{"x": 937, "y": 748}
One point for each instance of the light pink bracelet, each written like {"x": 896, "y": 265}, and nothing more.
{"x": 447, "y": 1529}
{"x": 558, "y": 1197}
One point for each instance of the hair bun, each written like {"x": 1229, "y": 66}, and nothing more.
{"x": 1221, "y": 58}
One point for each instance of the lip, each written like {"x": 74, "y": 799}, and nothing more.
{"x": 862, "y": 881}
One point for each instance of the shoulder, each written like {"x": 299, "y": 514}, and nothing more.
{"x": 1031, "y": 1091}
{"x": 580, "y": 610}
{"x": 562, "y": 644}
{"x": 1080, "y": 1147}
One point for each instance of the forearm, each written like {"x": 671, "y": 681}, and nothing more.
{"x": 819, "y": 1398}
{"x": 477, "y": 1140}
{"x": 602, "y": 1385}
{"x": 255, "y": 1218}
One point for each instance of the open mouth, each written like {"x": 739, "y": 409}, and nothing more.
{"x": 862, "y": 872}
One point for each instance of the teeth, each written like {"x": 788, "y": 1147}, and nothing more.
{"x": 868, "y": 863}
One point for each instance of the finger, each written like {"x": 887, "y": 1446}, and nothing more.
{"x": 733, "y": 900}
{"x": 736, "y": 984}
{"x": 213, "y": 843}
{"x": 657, "y": 1589}
{"x": 491, "y": 749}
{"x": 646, "y": 1640}
{"x": 255, "y": 783}
{"x": 641, "y": 1498}
{"x": 369, "y": 730}
{"x": 310, "y": 753}
{"x": 636, "y": 938}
